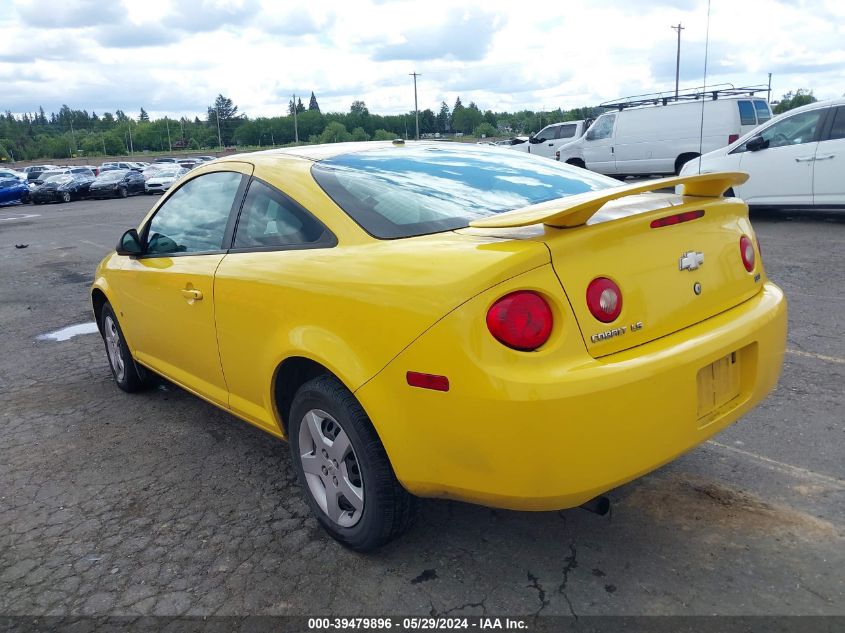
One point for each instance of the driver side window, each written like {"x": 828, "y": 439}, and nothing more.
{"x": 194, "y": 218}
{"x": 602, "y": 128}
{"x": 797, "y": 129}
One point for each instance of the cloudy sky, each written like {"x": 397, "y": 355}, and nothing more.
{"x": 173, "y": 57}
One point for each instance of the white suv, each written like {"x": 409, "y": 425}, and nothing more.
{"x": 797, "y": 159}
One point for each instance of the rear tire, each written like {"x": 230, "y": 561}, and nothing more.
{"x": 122, "y": 192}
{"x": 128, "y": 376}
{"x": 66, "y": 196}
{"x": 343, "y": 469}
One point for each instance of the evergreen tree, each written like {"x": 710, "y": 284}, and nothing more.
{"x": 443, "y": 118}
{"x": 144, "y": 116}
{"x": 312, "y": 105}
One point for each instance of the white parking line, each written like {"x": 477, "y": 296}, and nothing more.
{"x": 829, "y": 359}
{"x": 789, "y": 469}
{"x": 21, "y": 216}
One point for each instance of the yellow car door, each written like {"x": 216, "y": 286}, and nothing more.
{"x": 168, "y": 292}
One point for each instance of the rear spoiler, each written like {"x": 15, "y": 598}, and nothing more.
{"x": 576, "y": 210}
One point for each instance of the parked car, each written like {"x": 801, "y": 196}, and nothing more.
{"x": 795, "y": 160}
{"x": 63, "y": 188}
{"x": 155, "y": 168}
{"x": 58, "y": 171}
{"x": 207, "y": 158}
{"x": 164, "y": 160}
{"x": 516, "y": 140}
{"x": 164, "y": 179}
{"x": 11, "y": 173}
{"x": 33, "y": 172}
{"x": 117, "y": 183}
{"x": 13, "y": 190}
{"x": 547, "y": 141}
{"x": 659, "y": 139}
{"x": 189, "y": 163}
{"x": 327, "y": 282}
{"x": 111, "y": 165}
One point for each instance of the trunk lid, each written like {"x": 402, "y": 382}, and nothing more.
{"x": 670, "y": 277}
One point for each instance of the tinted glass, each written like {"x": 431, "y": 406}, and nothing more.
{"x": 838, "y": 129}
{"x": 763, "y": 112}
{"x": 794, "y": 130}
{"x": 746, "y": 113}
{"x": 401, "y": 192}
{"x": 567, "y": 131}
{"x": 270, "y": 219}
{"x": 193, "y": 219}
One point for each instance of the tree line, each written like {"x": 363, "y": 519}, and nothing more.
{"x": 71, "y": 132}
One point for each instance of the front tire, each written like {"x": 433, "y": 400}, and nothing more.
{"x": 343, "y": 469}
{"x": 122, "y": 192}
{"x": 128, "y": 376}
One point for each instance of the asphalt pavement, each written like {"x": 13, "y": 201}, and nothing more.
{"x": 158, "y": 503}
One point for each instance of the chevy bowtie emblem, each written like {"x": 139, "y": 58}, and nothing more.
{"x": 691, "y": 260}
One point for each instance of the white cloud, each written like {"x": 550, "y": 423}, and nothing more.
{"x": 174, "y": 56}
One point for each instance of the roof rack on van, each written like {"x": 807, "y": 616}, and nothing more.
{"x": 687, "y": 94}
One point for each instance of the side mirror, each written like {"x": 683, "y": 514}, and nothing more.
{"x": 130, "y": 244}
{"x": 534, "y": 139}
{"x": 756, "y": 144}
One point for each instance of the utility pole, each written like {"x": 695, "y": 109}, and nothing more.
{"x": 129, "y": 126}
{"x": 295, "y": 125}
{"x": 72, "y": 135}
{"x": 219, "y": 137}
{"x": 416, "y": 108}
{"x": 769, "y": 93}
{"x": 678, "y": 28}
{"x": 167, "y": 123}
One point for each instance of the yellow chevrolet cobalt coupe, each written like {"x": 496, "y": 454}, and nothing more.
{"x": 444, "y": 320}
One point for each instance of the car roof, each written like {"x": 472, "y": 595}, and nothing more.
{"x": 322, "y": 152}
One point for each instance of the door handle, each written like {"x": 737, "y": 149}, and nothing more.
{"x": 191, "y": 294}
{"x": 805, "y": 159}
{"x": 825, "y": 157}
{"x": 551, "y": 144}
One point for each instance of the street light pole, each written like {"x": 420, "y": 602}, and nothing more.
{"x": 416, "y": 108}
{"x": 167, "y": 123}
{"x": 678, "y": 28}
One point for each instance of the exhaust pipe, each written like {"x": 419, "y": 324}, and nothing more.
{"x": 600, "y": 505}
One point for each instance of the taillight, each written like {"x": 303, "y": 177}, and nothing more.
{"x": 521, "y": 320}
{"x": 669, "y": 220}
{"x": 732, "y": 138}
{"x": 746, "y": 251}
{"x": 604, "y": 299}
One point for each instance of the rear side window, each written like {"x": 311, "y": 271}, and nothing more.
{"x": 193, "y": 219}
{"x": 747, "y": 115}
{"x": 408, "y": 191}
{"x": 838, "y": 128}
{"x": 270, "y": 219}
{"x": 567, "y": 131}
{"x": 763, "y": 111}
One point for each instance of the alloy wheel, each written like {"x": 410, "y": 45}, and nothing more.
{"x": 332, "y": 470}
{"x": 112, "y": 336}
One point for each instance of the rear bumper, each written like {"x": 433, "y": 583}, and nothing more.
{"x": 543, "y": 431}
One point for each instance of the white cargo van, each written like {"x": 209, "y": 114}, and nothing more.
{"x": 550, "y": 138}
{"x": 658, "y": 139}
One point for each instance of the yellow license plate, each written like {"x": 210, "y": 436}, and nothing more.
{"x": 718, "y": 384}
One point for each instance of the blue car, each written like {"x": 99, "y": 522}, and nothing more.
{"x": 13, "y": 190}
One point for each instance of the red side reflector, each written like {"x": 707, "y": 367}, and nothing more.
{"x": 427, "y": 381}
{"x": 669, "y": 220}
{"x": 732, "y": 138}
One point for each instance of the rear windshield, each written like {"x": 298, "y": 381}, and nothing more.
{"x": 746, "y": 113}
{"x": 406, "y": 191}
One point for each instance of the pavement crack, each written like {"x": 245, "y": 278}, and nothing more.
{"x": 541, "y": 593}
{"x": 571, "y": 565}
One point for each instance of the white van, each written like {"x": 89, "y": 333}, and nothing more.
{"x": 550, "y": 138}
{"x": 659, "y": 139}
